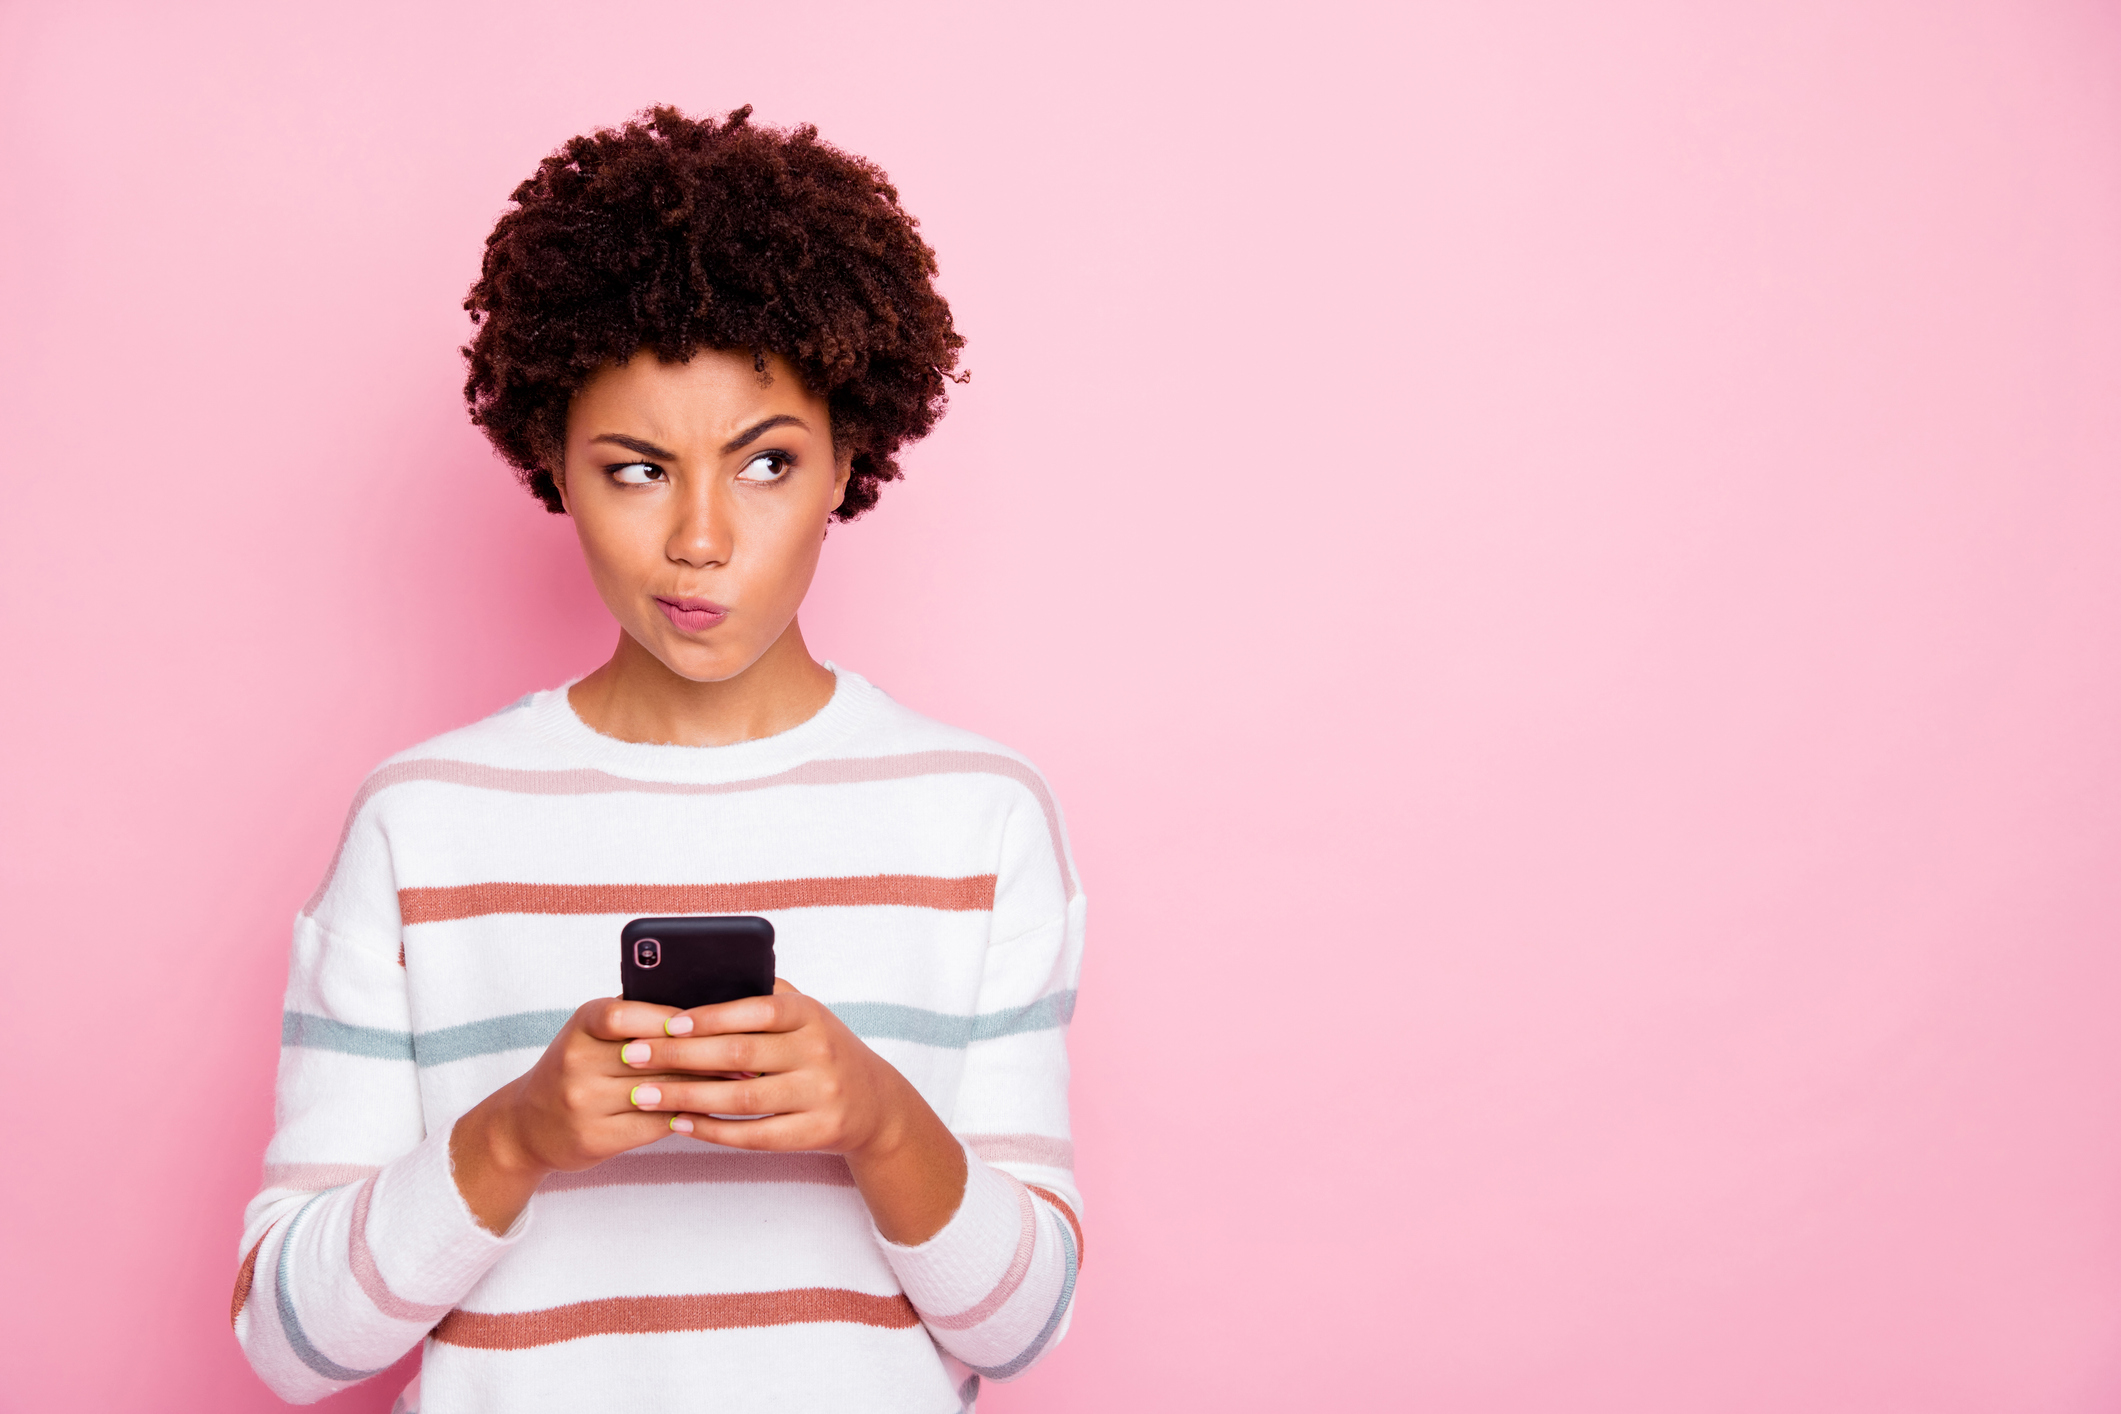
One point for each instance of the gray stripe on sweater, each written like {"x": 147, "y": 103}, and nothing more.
{"x": 1060, "y": 1307}
{"x": 889, "y": 1021}
{"x": 524, "y": 1031}
{"x": 297, "y": 1338}
{"x": 321, "y": 1033}
{"x": 533, "y": 1030}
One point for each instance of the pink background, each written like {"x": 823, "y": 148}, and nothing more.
{"x": 1565, "y": 561}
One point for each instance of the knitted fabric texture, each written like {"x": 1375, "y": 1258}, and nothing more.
{"x": 920, "y": 885}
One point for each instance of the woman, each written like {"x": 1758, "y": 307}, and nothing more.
{"x": 702, "y": 342}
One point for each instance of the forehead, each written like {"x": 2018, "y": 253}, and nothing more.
{"x": 704, "y": 401}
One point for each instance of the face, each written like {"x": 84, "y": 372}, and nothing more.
{"x": 700, "y": 491}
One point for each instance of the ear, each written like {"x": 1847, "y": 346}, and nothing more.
{"x": 843, "y": 472}
{"x": 556, "y": 468}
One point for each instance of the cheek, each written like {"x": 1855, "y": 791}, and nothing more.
{"x": 785, "y": 556}
{"x": 612, "y": 549}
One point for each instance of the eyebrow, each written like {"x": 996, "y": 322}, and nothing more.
{"x": 759, "y": 429}
{"x": 735, "y": 444}
{"x": 635, "y": 444}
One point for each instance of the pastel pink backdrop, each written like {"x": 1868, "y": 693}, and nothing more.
{"x": 1564, "y": 560}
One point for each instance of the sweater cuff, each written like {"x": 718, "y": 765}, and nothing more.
{"x": 429, "y": 1247}
{"x": 968, "y": 1258}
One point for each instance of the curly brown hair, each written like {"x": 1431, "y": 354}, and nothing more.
{"x": 675, "y": 235}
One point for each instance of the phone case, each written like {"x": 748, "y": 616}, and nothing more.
{"x": 689, "y": 962}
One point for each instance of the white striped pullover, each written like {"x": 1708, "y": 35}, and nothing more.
{"x": 919, "y": 883}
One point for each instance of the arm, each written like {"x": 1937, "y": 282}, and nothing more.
{"x": 996, "y": 1287}
{"x": 369, "y": 1228}
{"x": 358, "y": 1242}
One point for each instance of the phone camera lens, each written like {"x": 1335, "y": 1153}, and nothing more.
{"x": 647, "y": 952}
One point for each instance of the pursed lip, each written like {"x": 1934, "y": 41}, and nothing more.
{"x": 691, "y": 615}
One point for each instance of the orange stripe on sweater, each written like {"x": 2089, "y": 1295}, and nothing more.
{"x": 1065, "y": 1211}
{"x": 244, "y": 1275}
{"x": 448, "y": 904}
{"x": 649, "y": 1315}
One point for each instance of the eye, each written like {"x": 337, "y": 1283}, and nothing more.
{"x": 767, "y": 467}
{"x": 635, "y": 473}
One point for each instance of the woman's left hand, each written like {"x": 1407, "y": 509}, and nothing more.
{"x": 821, "y": 1089}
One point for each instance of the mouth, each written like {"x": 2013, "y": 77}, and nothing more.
{"x": 691, "y": 615}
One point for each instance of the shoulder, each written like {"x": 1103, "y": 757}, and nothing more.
{"x": 489, "y": 751}
{"x": 892, "y": 723}
{"x": 503, "y": 737}
{"x": 896, "y": 740}
{"x": 898, "y": 743}
{"x": 481, "y": 753}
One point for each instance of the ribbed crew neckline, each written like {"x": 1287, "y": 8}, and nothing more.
{"x": 552, "y": 718}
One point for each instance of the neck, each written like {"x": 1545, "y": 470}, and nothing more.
{"x": 635, "y": 697}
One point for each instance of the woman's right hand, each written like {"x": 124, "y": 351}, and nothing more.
{"x": 571, "y": 1110}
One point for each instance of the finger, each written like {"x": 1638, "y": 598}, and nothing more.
{"x": 636, "y": 1058}
{"x": 776, "y": 1132}
{"x": 782, "y": 1011}
{"x": 641, "y": 1129}
{"x": 662, "y": 1083}
{"x": 616, "y": 1134}
{"x": 630, "y": 1131}
{"x": 756, "y": 1052}
{"x": 767, "y": 1095}
{"x": 613, "y": 1019}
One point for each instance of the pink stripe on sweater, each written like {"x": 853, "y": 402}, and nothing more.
{"x": 315, "y": 1178}
{"x": 365, "y": 1272}
{"x": 845, "y": 770}
{"x": 1041, "y": 1149}
{"x": 1074, "y": 1225}
{"x": 1012, "y": 1278}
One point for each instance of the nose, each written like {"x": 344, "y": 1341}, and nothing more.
{"x": 699, "y": 534}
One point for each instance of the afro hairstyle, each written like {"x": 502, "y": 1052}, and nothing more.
{"x": 675, "y": 235}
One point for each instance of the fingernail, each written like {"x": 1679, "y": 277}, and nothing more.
{"x": 634, "y": 1052}
{"x": 646, "y": 1097}
{"x": 681, "y": 1124}
{"x": 678, "y": 1025}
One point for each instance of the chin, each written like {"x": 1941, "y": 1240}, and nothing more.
{"x": 697, "y": 664}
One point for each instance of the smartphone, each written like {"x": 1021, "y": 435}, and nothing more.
{"x": 689, "y": 962}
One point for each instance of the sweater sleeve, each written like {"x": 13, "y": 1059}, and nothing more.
{"x": 996, "y": 1285}
{"x": 358, "y": 1241}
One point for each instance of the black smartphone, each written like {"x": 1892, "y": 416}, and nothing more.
{"x": 689, "y": 962}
